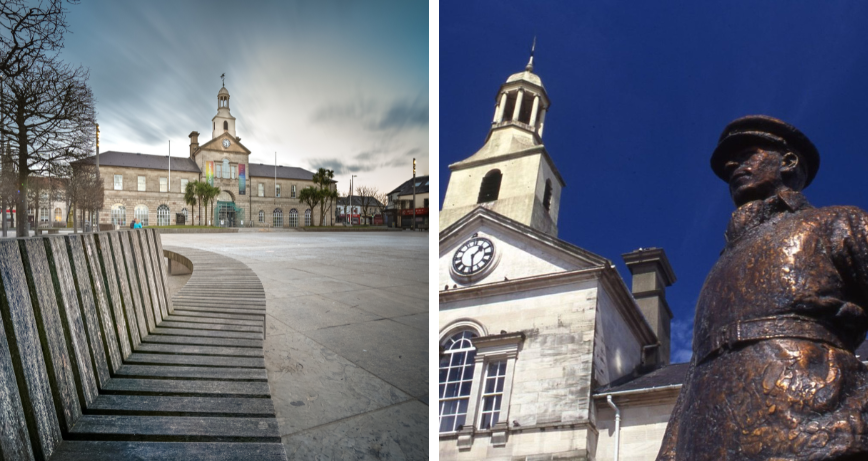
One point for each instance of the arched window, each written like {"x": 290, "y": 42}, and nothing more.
{"x": 547, "y": 196}
{"x": 490, "y": 188}
{"x": 278, "y": 217}
{"x": 456, "y": 378}
{"x": 141, "y": 214}
{"x": 163, "y": 215}
{"x": 119, "y": 215}
{"x": 293, "y": 218}
{"x": 184, "y": 212}
{"x": 225, "y": 125}
{"x": 261, "y": 216}
{"x": 307, "y": 217}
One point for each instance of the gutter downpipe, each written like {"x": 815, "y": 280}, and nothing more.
{"x": 617, "y": 423}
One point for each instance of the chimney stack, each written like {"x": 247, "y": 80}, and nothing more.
{"x": 651, "y": 275}
{"x": 194, "y": 142}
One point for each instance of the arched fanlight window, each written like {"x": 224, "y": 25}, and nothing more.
{"x": 278, "y": 217}
{"x": 141, "y": 214}
{"x": 261, "y": 216}
{"x": 119, "y": 215}
{"x": 490, "y": 188}
{"x": 307, "y": 217}
{"x": 456, "y": 378}
{"x": 225, "y": 125}
{"x": 547, "y": 196}
{"x": 163, "y": 215}
{"x": 184, "y": 212}
{"x": 293, "y": 218}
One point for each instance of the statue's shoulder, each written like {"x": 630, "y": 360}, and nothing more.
{"x": 840, "y": 212}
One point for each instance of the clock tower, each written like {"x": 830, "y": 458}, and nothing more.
{"x": 223, "y": 122}
{"x": 512, "y": 174}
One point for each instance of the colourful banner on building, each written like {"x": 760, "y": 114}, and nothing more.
{"x": 242, "y": 180}
{"x": 209, "y": 173}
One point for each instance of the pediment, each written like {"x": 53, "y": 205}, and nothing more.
{"x": 520, "y": 251}
{"x": 216, "y": 145}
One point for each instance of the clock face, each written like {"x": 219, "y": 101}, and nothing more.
{"x": 226, "y": 143}
{"x": 473, "y": 256}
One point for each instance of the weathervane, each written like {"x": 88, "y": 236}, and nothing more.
{"x": 529, "y": 66}
{"x": 223, "y": 76}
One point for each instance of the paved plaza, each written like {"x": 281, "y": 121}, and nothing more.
{"x": 346, "y": 346}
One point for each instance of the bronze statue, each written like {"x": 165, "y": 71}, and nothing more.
{"x": 773, "y": 374}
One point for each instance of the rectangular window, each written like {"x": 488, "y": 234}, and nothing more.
{"x": 293, "y": 191}
{"x": 492, "y": 394}
{"x": 277, "y": 190}
{"x": 184, "y": 185}
{"x": 119, "y": 182}
{"x": 164, "y": 185}
{"x": 234, "y": 169}
{"x": 261, "y": 190}
{"x": 141, "y": 183}
{"x": 217, "y": 170}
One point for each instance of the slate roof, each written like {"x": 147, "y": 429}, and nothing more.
{"x": 661, "y": 377}
{"x": 262, "y": 170}
{"x": 135, "y": 160}
{"x": 675, "y": 374}
{"x": 407, "y": 187}
{"x": 357, "y": 201}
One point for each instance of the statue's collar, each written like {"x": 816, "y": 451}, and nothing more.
{"x": 752, "y": 214}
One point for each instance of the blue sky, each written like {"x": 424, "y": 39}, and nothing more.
{"x": 640, "y": 92}
{"x": 338, "y": 84}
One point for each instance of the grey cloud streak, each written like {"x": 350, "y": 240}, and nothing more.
{"x": 399, "y": 114}
{"x": 371, "y": 161}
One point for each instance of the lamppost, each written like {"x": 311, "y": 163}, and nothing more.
{"x": 351, "y": 199}
{"x": 414, "y": 193}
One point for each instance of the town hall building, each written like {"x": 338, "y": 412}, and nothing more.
{"x": 150, "y": 189}
{"x": 545, "y": 353}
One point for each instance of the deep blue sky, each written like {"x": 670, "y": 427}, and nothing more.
{"x": 640, "y": 92}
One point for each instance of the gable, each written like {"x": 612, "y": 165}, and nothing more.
{"x": 519, "y": 251}
{"x": 216, "y": 144}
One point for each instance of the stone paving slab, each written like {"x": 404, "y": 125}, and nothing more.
{"x": 329, "y": 297}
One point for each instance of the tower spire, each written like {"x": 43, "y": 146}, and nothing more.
{"x": 529, "y": 66}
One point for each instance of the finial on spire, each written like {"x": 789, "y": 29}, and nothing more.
{"x": 223, "y": 76}
{"x": 529, "y": 66}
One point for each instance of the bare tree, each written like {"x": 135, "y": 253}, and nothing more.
{"x": 380, "y": 199}
{"x": 366, "y": 199}
{"x": 29, "y": 32}
{"x": 51, "y": 117}
{"x": 8, "y": 185}
{"x": 84, "y": 191}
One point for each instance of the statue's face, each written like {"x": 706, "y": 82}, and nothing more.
{"x": 754, "y": 174}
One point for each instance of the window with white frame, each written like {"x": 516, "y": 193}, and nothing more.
{"x": 293, "y": 218}
{"x": 184, "y": 185}
{"x": 234, "y": 171}
{"x": 141, "y": 214}
{"x": 163, "y": 215}
{"x": 119, "y": 215}
{"x": 43, "y": 215}
{"x": 141, "y": 183}
{"x": 492, "y": 393}
{"x": 218, "y": 170}
{"x": 456, "y": 378}
{"x": 277, "y": 217}
{"x": 476, "y": 374}
{"x": 164, "y": 185}
{"x": 292, "y": 192}
{"x": 261, "y": 216}
{"x": 184, "y": 212}
{"x": 261, "y": 190}
{"x": 277, "y": 190}
{"x": 307, "y": 217}
{"x": 225, "y": 168}
{"x": 119, "y": 182}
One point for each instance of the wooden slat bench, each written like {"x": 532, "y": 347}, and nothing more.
{"x": 96, "y": 362}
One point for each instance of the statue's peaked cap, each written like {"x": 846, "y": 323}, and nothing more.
{"x": 759, "y": 130}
